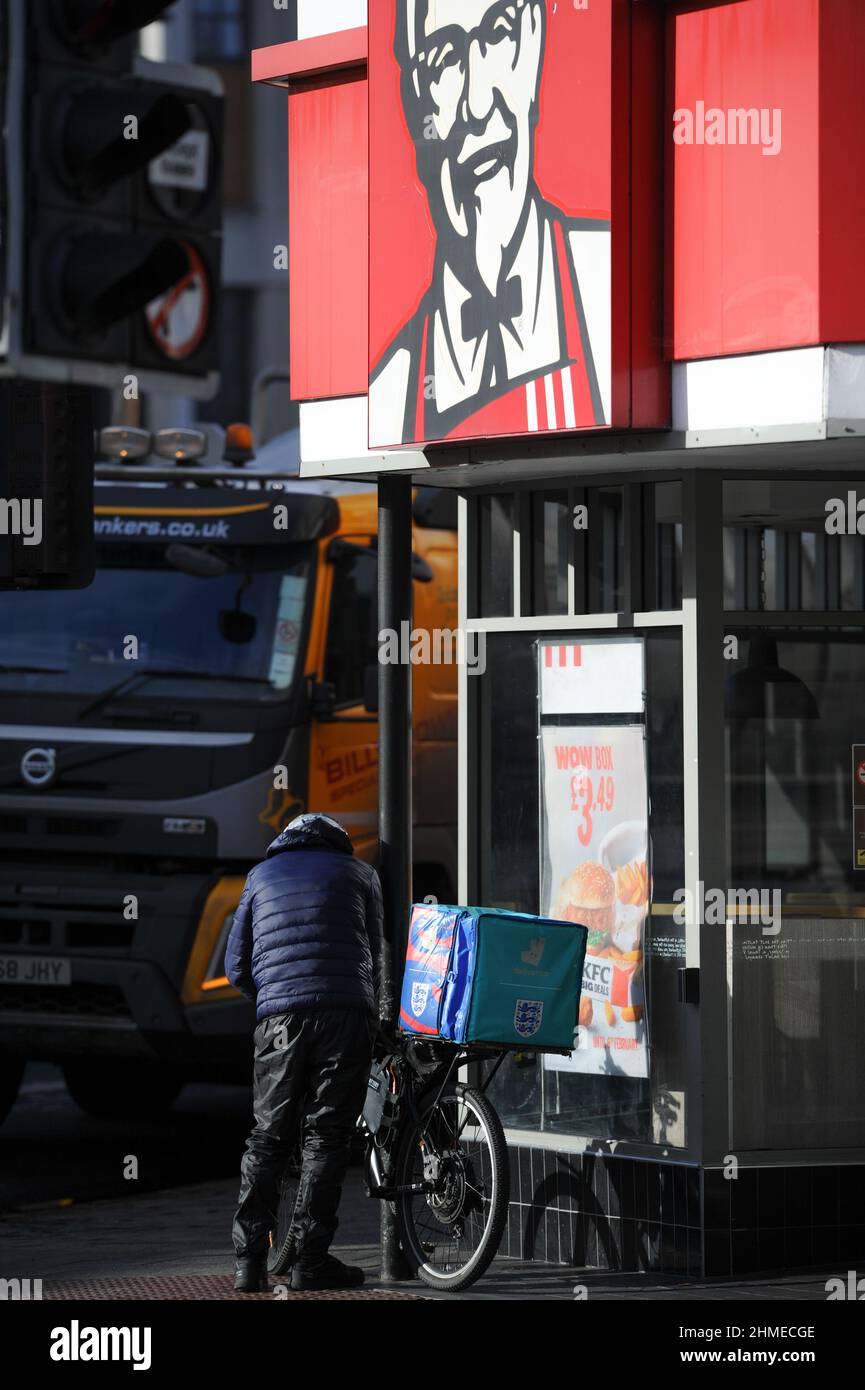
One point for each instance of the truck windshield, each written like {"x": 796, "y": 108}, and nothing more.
{"x": 241, "y": 631}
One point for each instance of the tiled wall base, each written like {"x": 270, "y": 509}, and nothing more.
{"x": 619, "y": 1213}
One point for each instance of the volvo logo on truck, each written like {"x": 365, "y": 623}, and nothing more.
{"x": 38, "y": 766}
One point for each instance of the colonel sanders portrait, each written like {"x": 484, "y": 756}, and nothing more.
{"x": 513, "y": 333}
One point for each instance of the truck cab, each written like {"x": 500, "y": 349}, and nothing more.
{"x": 160, "y": 728}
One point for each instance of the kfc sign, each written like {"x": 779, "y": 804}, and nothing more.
{"x": 491, "y": 205}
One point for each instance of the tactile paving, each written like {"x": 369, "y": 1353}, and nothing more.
{"x": 193, "y": 1287}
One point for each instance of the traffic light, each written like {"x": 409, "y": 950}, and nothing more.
{"x": 112, "y": 202}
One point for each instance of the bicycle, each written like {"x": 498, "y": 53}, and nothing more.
{"x": 435, "y": 1150}
{"x": 439, "y": 1155}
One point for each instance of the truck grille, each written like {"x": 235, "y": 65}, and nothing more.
{"x": 99, "y": 828}
{"x": 95, "y": 1001}
{"x": 105, "y": 935}
{"x": 24, "y": 933}
{"x": 77, "y": 827}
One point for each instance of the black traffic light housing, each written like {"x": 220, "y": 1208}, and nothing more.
{"x": 94, "y": 28}
{"x": 113, "y": 202}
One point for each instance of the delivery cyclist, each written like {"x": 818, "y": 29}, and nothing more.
{"x": 306, "y": 947}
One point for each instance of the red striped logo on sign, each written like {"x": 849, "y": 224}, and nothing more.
{"x": 567, "y": 656}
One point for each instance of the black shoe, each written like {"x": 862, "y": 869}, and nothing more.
{"x": 250, "y": 1276}
{"x": 330, "y": 1273}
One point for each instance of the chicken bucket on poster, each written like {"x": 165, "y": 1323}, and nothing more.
{"x": 596, "y": 870}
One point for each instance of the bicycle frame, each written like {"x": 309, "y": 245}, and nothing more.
{"x": 408, "y": 1078}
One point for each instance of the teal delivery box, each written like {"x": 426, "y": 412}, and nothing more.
{"x": 477, "y": 974}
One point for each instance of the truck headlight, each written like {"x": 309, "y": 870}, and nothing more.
{"x": 215, "y": 976}
{"x": 205, "y": 968}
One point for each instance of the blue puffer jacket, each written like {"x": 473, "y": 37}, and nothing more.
{"x": 308, "y": 930}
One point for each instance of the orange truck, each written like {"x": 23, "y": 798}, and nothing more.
{"x": 160, "y": 728}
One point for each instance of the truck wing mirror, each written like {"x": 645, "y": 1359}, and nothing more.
{"x": 340, "y": 549}
{"x": 420, "y": 570}
{"x": 322, "y": 700}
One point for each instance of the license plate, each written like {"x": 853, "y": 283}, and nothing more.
{"x": 35, "y": 970}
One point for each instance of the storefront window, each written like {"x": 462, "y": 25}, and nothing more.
{"x": 663, "y": 530}
{"x": 507, "y": 724}
{"x": 528, "y": 1094}
{"x": 794, "y": 704}
{"x": 495, "y": 580}
{"x": 604, "y": 550}
{"x": 579, "y": 530}
{"x": 793, "y": 546}
{"x": 552, "y": 551}
{"x": 795, "y": 749}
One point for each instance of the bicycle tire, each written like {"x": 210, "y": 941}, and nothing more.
{"x": 280, "y": 1256}
{"x": 410, "y": 1240}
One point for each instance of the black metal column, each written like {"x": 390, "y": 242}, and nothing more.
{"x": 394, "y": 780}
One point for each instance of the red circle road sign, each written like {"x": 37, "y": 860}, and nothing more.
{"x": 179, "y": 319}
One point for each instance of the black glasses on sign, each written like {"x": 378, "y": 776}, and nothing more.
{"x": 449, "y": 47}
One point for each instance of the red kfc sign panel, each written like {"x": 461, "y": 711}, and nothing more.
{"x": 491, "y": 192}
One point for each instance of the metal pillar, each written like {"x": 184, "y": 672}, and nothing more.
{"x": 704, "y": 671}
{"x": 394, "y": 779}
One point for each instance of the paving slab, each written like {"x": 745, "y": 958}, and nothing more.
{"x": 175, "y": 1245}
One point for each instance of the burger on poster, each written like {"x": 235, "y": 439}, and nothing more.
{"x": 588, "y": 896}
{"x": 610, "y": 897}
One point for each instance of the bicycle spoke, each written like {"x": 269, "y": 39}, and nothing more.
{"x": 455, "y": 1135}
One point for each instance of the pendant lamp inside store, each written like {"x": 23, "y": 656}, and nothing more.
{"x": 764, "y": 690}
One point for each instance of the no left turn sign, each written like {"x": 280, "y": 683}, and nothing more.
{"x": 179, "y": 318}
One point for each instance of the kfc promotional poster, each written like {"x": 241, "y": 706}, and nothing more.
{"x": 595, "y": 859}
{"x": 490, "y": 218}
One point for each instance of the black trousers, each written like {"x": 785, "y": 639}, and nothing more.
{"x": 309, "y": 1081}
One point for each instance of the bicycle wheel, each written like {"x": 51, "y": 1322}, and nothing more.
{"x": 280, "y": 1257}
{"x": 451, "y": 1234}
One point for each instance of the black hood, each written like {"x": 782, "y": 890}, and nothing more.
{"x": 312, "y": 832}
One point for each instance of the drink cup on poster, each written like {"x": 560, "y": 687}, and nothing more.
{"x": 625, "y": 854}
